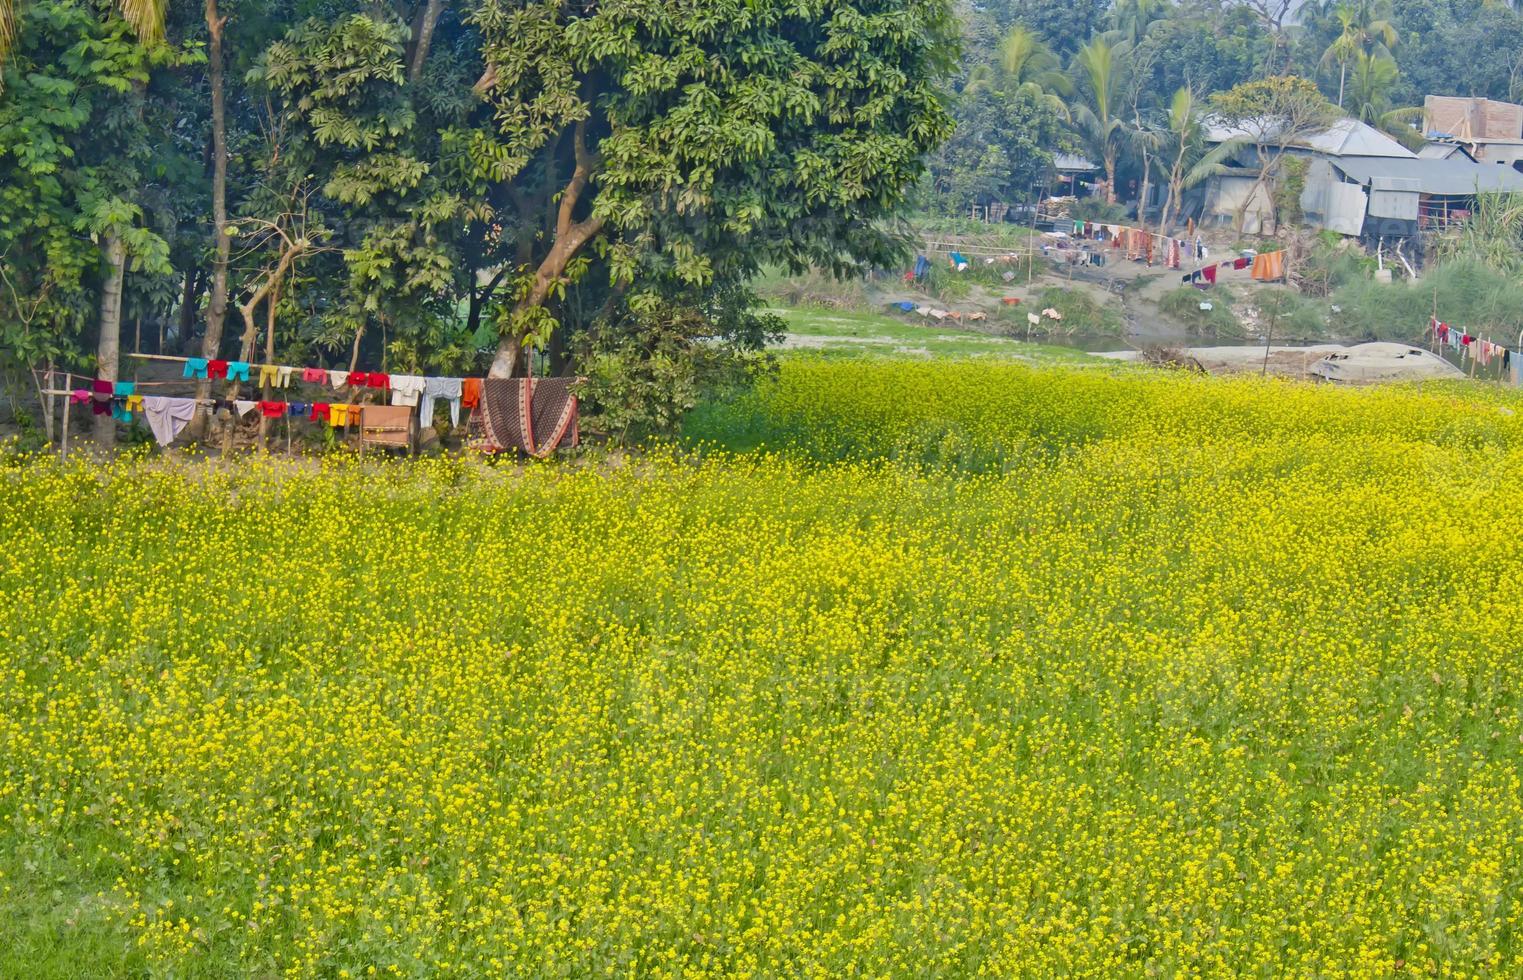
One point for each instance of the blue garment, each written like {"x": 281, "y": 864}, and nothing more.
{"x": 922, "y": 266}
{"x": 298, "y": 408}
{"x": 906, "y": 306}
{"x": 957, "y": 259}
{"x": 195, "y": 367}
{"x": 237, "y": 370}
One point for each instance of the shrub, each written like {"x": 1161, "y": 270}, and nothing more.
{"x": 1183, "y": 305}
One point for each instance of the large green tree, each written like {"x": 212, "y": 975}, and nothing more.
{"x": 691, "y": 142}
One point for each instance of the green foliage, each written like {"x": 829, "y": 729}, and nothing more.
{"x": 1083, "y": 314}
{"x": 1285, "y": 313}
{"x": 703, "y": 171}
{"x": 1289, "y": 184}
{"x": 1065, "y": 24}
{"x": 1097, "y": 209}
{"x": 1000, "y": 150}
{"x": 646, "y": 370}
{"x": 73, "y": 137}
{"x": 1493, "y": 235}
{"x": 1183, "y": 305}
{"x": 1331, "y": 263}
{"x": 1465, "y": 292}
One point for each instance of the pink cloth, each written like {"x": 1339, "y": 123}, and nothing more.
{"x": 315, "y": 376}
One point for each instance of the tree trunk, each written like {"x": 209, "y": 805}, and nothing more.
{"x": 1166, "y": 218}
{"x": 568, "y": 241}
{"x": 187, "y": 308}
{"x": 423, "y": 38}
{"x": 1110, "y": 176}
{"x": 216, "y": 311}
{"x": 109, "y": 347}
{"x": 1342, "y": 77}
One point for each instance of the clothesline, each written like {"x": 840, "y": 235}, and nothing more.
{"x": 1480, "y": 350}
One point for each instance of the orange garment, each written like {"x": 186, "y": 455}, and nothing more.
{"x": 1269, "y": 266}
{"x": 470, "y": 392}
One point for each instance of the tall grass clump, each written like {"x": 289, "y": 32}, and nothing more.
{"x": 1183, "y": 306}
{"x": 1464, "y": 291}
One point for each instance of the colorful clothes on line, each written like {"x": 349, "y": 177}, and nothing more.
{"x": 470, "y": 392}
{"x": 195, "y": 367}
{"x": 272, "y": 410}
{"x": 338, "y": 379}
{"x": 321, "y": 411}
{"x": 80, "y": 396}
{"x": 274, "y": 375}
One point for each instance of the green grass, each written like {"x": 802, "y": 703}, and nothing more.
{"x": 845, "y": 334}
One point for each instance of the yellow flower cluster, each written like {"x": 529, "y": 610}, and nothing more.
{"x": 1124, "y": 675}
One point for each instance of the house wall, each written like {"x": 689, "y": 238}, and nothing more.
{"x": 1226, "y": 194}
{"x": 1330, "y": 203}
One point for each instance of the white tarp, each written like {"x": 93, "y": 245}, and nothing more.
{"x": 1365, "y": 363}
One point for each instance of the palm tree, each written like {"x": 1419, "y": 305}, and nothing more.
{"x": 1099, "y": 66}
{"x": 1364, "y": 29}
{"x": 1190, "y": 159}
{"x": 145, "y": 17}
{"x": 1027, "y": 66}
{"x": 1370, "y": 86}
{"x": 1133, "y": 17}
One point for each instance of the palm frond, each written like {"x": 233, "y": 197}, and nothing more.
{"x": 1213, "y": 163}
{"x": 7, "y": 33}
{"x": 145, "y": 17}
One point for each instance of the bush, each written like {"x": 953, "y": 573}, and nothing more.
{"x": 645, "y": 373}
{"x": 1333, "y": 262}
{"x": 1083, "y": 316}
{"x": 1096, "y": 209}
{"x": 1287, "y": 314}
{"x": 1466, "y": 293}
{"x": 1183, "y": 305}
{"x": 812, "y": 288}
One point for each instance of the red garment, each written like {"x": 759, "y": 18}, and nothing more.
{"x": 1240, "y": 264}
{"x": 272, "y": 410}
{"x": 380, "y": 380}
{"x": 100, "y": 395}
{"x": 320, "y": 410}
{"x": 470, "y": 392}
{"x": 1465, "y": 339}
{"x": 358, "y": 379}
{"x": 216, "y": 369}
{"x": 1209, "y": 274}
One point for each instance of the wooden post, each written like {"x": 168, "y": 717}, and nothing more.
{"x": 68, "y": 384}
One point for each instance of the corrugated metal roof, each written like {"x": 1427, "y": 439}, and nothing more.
{"x": 1345, "y": 138}
{"x": 1068, "y": 161}
{"x": 1458, "y": 177}
{"x": 1443, "y": 151}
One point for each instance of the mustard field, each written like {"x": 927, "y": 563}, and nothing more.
{"x": 890, "y": 669}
